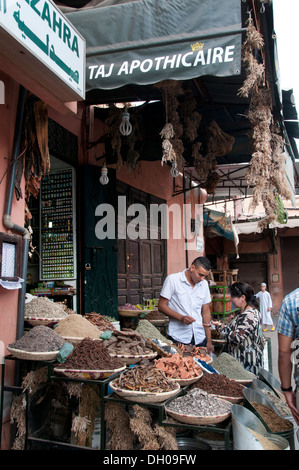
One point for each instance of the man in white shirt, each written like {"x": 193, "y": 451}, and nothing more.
{"x": 185, "y": 299}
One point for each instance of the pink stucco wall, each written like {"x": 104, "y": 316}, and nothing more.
{"x": 153, "y": 178}
{"x": 68, "y": 115}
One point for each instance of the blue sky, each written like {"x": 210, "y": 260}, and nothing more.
{"x": 286, "y": 25}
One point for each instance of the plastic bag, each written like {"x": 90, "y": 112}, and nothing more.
{"x": 64, "y": 352}
{"x": 106, "y": 335}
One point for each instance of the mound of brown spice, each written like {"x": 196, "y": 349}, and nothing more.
{"x": 275, "y": 422}
{"x": 91, "y": 354}
{"x": 219, "y": 384}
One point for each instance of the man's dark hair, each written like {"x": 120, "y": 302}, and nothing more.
{"x": 203, "y": 262}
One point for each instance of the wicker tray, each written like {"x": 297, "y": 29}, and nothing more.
{"x": 230, "y": 399}
{"x": 130, "y": 359}
{"x": 184, "y": 382}
{"x": 143, "y": 397}
{"x": 88, "y": 373}
{"x": 74, "y": 341}
{"x": 33, "y": 356}
{"x": 34, "y": 321}
{"x": 129, "y": 313}
{"x": 193, "y": 419}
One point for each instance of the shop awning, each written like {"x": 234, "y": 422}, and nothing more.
{"x": 143, "y": 42}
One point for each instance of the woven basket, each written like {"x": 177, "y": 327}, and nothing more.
{"x": 230, "y": 399}
{"x": 87, "y": 373}
{"x": 184, "y": 382}
{"x": 143, "y": 397}
{"x": 159, "y": 322}
{"x": 33, "y": 356}
{"x": 129, "y": 313}
{"x": 193, "y": 419}
{"x": 130, "y": 359}
{"x": 50, "y": 322}
{"x": 74, "y": 341}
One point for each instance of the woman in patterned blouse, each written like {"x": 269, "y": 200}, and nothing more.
{"x": 244, "y": 332}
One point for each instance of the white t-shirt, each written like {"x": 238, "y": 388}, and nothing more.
{"x": 186, "y": 300}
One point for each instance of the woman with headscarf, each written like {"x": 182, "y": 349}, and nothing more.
{"x": 244, "y": 332}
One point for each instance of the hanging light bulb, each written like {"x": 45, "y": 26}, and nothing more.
{"x": 125, "y": 127}
{"x": 104, "y": 178}
{"x": 174, "y": 170}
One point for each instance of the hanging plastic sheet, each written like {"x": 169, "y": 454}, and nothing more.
{"x": 220, "y": 224}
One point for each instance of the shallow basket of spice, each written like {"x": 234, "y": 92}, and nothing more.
{"x": 88, "y": 374}
{"x": 220, "y": 386}
{"x": 128, "y": 310}
{"x": 74, "y": 340}
{"x": 33, "y": 355}
{"x": 35, "y": 321}
{"x": 198, "y": 407}
{"x": 89, "y": 360}
{"x": 41, "y": 343}
{"x": 143, "y": 384}
{"x": 130, "y": 359}
{"x": 179, "y": 369}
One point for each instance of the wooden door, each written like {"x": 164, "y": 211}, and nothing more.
{"x": 252, "y": 269}
{"x": 99, "y": 256}
{"x": 141, "y": 261}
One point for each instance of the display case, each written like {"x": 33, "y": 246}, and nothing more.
{"x": 57, "y": 226}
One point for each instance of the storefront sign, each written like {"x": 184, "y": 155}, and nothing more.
{"x": 146, "y": 42}
{"x": 47, "y": 34}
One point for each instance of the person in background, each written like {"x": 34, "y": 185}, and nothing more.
{"x": 244, "y": 332}
{"x": 265, "y": 302}
{"x": 287, "y": 327}
{"x": 185, "y": 299}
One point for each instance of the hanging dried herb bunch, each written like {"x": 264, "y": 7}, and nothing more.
{"x": 266, "y": 172}
{"x": 254, "y": 70}
{"x": 35, "y": 140}
{"x": 113, "y": 122}
{"x": 190, "y": 116}
{"x": 172, "y": 132}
